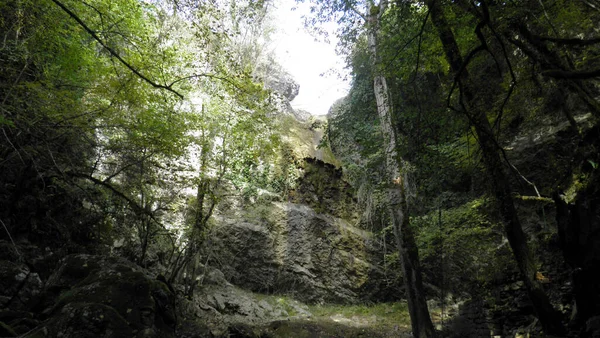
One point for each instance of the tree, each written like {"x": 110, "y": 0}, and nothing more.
{"x": 471, "y": 105}
{"x": 409, "y": 255}
{"x": 395, "y": 179}
{"x": 521, "y": 59}
{"x": 95, "y": 110}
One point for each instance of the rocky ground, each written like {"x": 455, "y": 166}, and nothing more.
{"x": 102, "y": 296}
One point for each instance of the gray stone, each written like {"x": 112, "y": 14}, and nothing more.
{"x": 217, "y": 302}
{"x": 265, "y": 306}
{"x": 214, "y": 277}
{"x": 219, "y": 308}
{"x": 294, "y": 250}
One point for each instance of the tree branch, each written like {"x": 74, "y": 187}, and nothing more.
{"x": 136, "y": 207}
{"x": 418, "y": 35}
{"x": 113, "y": 52}
{"x": 212, "y": 76}
{"x": 572, "y": 75}
{"x": 570, "y": 41}
{"x": 419, "y": 44}
{"x": 462, "y": 70}
{"x": 351, "y": 7}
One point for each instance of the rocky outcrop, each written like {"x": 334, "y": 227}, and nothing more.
{"x": 544, "y": 152}
{"x": 579, "y": 237}
{"x": 19, "y": 289}
{"x": 223, "y": 310}
{"x": 98, "y": 296}
{"x": 322, "y": 188}
{"x": 563, "y": 163}
{"x": 289, "y": 248}
{"x": 283, "y": 83}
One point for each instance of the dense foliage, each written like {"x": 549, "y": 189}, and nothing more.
{"x": 130, "y": 121}
{"x": 468, "y": 80}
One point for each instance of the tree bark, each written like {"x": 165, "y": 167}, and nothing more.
{"x": 422, "y": 325}
{"x": 548, "y": 316}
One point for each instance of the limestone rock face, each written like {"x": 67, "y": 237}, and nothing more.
{"x": 97, "y": 296}
{"x": 289, "y": 248}
{"x": 281, "y": 83}
{"x": 323, "y": 189}
{"x": 284, "y": 84}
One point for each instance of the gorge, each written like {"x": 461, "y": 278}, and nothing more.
{"x": 156, "y": 181}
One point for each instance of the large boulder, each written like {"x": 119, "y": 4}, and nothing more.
{"x": 19, "y": 286}
{"x": 98, "y": 296}
{"x": 223, "y": 310}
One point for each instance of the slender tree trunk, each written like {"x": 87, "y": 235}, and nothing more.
{"x": 499, "y": 178}
{"x": 548, "y": 316}
{"x": 419, "y": 314}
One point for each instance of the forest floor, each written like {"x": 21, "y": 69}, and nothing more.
{"x": 379, "y": 320}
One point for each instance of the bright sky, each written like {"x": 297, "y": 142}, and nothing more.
{"x": 307, "y": 59}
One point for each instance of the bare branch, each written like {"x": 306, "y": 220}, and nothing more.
{"x": 573, "y": 75}
{"x": 356, "y": 11}
{"x": 570, "y": 41}
{"x": 12, "y": 145}
{"x": 420, "y": 41}
{"x": 135, "y": 206}
{"x": 11, "y": 239}
{"x": 212, "y": 76}
{"x": 410, "y": 41}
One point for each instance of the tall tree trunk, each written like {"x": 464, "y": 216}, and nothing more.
{"x": 499, "y": 178}
{"x": 419, "y": 314}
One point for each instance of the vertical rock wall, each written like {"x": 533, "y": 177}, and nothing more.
{"x": 294, "y": 250}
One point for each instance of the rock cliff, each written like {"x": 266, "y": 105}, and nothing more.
{"x": 290, "y": 248}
